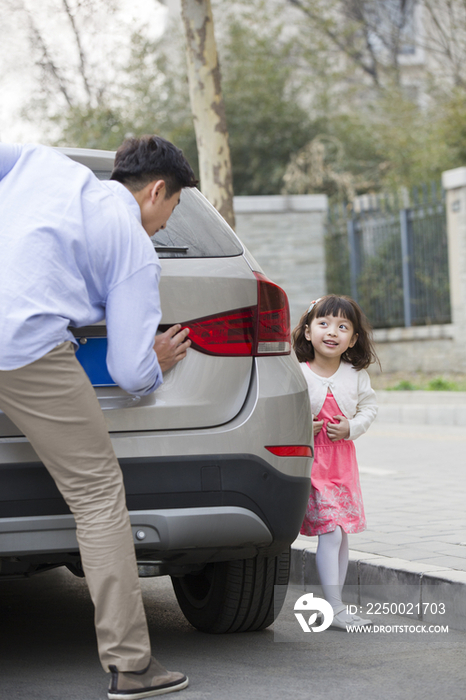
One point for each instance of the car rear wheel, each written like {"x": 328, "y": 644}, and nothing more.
{"x": 234, "y": 596}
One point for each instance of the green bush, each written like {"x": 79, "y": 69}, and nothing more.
{"x": 403, "y": 385}
{"x": 441, "y": 384}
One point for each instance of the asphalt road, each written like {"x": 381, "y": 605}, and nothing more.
{"x": 48, "y": 652}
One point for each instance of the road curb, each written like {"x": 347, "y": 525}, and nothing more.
{"x": 395, "y": 581}
{"x": 422, "y": 407}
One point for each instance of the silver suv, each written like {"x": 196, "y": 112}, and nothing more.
{"x": 216, "y": 462}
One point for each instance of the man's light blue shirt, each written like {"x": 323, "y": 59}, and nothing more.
{"x": 73, "y": 252}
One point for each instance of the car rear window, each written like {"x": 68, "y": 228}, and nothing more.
{"x": 196, "y": 230}
{"x": 102, "y": 174}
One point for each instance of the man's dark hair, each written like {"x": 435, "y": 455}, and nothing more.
{"x": 140, "y": 161}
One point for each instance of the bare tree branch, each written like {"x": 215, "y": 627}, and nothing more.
{"x": 350, "y": 50}
{"x": 82, "y": 61}
{"x": 46, "y": 62}
{"x": 448, "y": 35}
{"x": 368, "y": 32}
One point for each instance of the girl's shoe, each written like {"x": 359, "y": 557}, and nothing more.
{"x": 343, "y": 619}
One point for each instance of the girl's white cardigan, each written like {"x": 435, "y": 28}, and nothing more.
{"x": 352, "y": 391}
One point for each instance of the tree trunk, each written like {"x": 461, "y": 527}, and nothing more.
{"x": 208, "y": 107}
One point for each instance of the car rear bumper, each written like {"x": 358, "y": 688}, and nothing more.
{"x": 156, "y": 530}
{"x": 182, "y": 509}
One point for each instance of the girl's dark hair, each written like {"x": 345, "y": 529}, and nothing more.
{"x": 139, "y": 161}
{"x": 362, "y": 354}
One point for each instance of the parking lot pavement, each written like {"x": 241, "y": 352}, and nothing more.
{"x": 413, "y": 484}
{"x": 49, "y": 652}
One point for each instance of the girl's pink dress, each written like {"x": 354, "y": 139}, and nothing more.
{"x": 335, "y": 497}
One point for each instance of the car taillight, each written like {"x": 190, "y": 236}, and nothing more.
{"x": 258, "y": 330}
{"x": 228, "y": 334}
{"x": 290, "y": 450}
{"x": 273, "y": 319}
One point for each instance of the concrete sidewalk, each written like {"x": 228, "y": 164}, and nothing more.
{"x": 422, "y": 407}
{"x": 413, "y": 478}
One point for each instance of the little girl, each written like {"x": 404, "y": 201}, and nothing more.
{"x": 334, "y": 346}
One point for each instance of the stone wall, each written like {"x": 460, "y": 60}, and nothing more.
{"x": 286, "y": 236}
{"x": 426, "y": 349}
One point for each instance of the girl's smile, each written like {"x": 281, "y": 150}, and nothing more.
{"x": 330, "y": 336}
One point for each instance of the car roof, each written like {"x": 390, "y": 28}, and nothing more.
{"x": 93, "y": 159}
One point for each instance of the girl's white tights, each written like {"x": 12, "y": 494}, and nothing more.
{"x": 332, "y": 564}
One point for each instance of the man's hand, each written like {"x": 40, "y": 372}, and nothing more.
{"x": 340, "y": 430}
{"x": 171, "y": 346}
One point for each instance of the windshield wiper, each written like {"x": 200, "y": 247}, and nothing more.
{"x": 171, "y": 248}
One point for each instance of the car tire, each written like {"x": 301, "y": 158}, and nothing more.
{"x": 234, "y": 596}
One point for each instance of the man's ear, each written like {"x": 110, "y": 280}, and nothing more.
{"x": 157, "y": 190}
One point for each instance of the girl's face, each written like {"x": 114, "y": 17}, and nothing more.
{"x": 331, "y": 336}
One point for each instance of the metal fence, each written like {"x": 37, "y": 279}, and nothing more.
{"x": 392, "y": 259}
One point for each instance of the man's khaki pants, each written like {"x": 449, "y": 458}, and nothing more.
{"x": 53, "y": 403}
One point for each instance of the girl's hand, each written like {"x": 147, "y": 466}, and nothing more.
{"x": 340, "y": 430}
{"x": 317, "y": 425}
